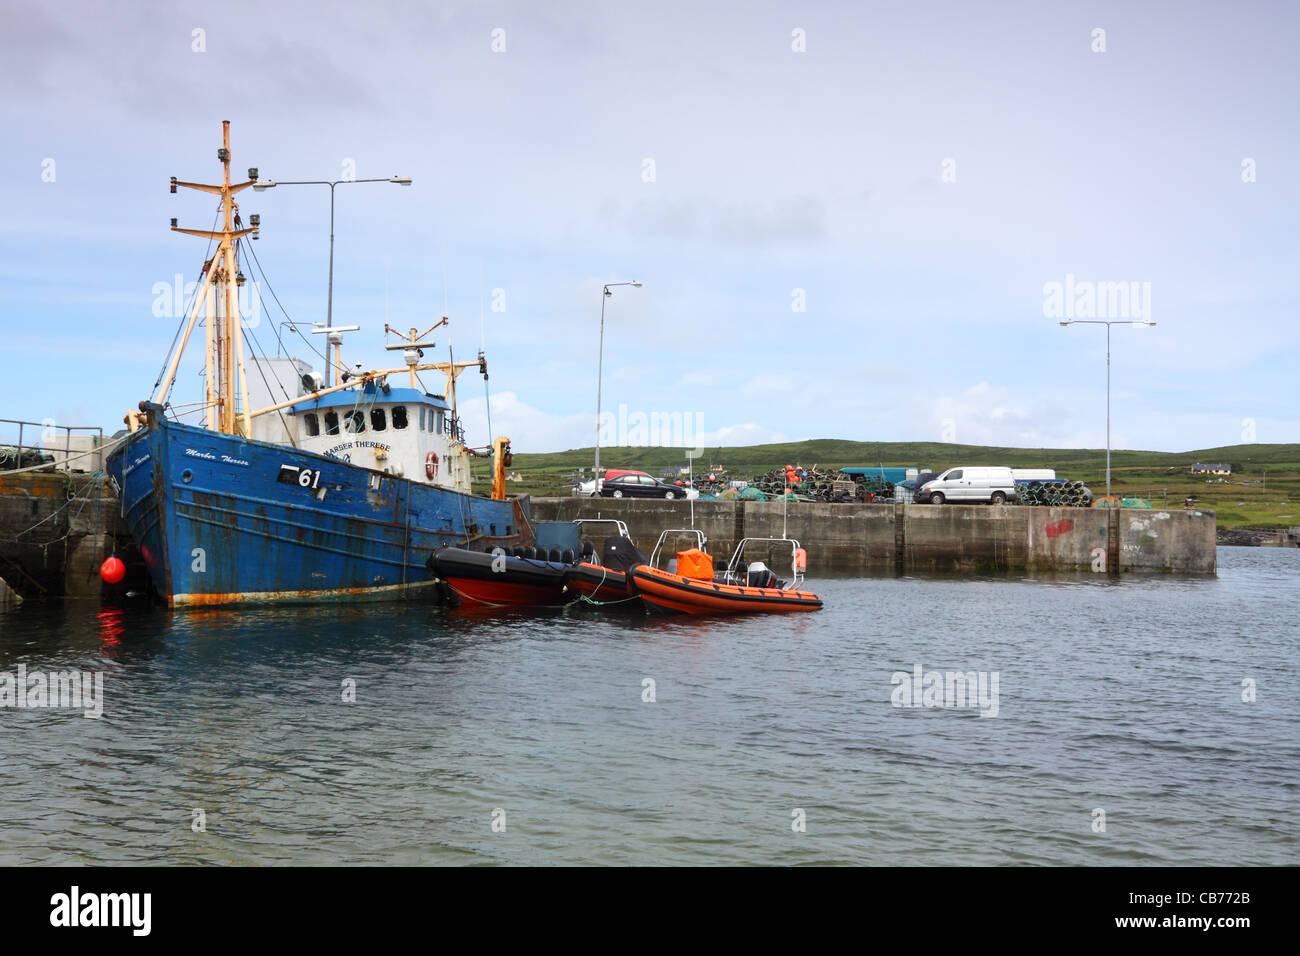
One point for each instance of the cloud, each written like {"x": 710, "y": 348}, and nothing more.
{"x": 776, "y": 172}
{"x": 984, "y": 414}
{"x": 698, "y": 378}
{"x": 531, "y": 429}
{"x": 28, "y": 37}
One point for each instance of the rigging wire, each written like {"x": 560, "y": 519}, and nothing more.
{"x": 482, "y": 343}
{"x": 97, "y": 478}
{"x": 190, "y": 305}
{"x": 239, "y": 247}
{"x": 257, "y": 347}
{"x": 261, "y": 271}
{"x": 106, "y": 448}
{"x": 292, "y": 324}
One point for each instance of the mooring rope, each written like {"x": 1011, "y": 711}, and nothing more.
{"x": 48, "y": 465}
{"x": 472, "y": 600}
{"x": 583, "y": 599}
{"x": 98, "y": 483}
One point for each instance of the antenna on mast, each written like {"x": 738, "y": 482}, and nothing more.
{"x": 412, "y": 345}
{"x": 482, "y": 358}
{"x": 335, "y": 333}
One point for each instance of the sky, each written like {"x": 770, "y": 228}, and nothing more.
{"x": 849, "y": 218}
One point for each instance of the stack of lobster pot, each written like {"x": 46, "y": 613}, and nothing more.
{"x": 712, "y": 482}
{"x": 1059, "y": 493}
{"x": 822, "y": 484}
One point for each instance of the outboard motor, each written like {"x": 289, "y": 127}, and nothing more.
{"x": 621, "y": 554}
{"x": 759, "y": 576}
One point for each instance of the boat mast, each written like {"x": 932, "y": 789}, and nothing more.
{"x": 413, "y": 345}
{"x": 210, "y": 369}
{"x": 451, "y": 382}
{"x": 225, "y": 339}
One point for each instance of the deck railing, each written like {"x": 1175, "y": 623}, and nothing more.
{"x": 48, "y": 441}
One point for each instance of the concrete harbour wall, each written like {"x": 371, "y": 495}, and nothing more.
{"x": 56, "y": 529}
{"x": 905, "y": 538}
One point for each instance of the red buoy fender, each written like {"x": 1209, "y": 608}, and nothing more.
{"x": 112, "y": 570}
{"x": 431, "y": 465}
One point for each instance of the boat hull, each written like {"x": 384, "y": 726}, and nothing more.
{"x": 221, "y": 519}
{"x": 675, "y": 594}
{"x": 498, "y": 579}
{"x": 598, "y": 583}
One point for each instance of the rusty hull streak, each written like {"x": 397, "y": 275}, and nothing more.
{"x": 380, "y": 499}
{"x": 158, "y": 468}
{"x": 306, "y": 596}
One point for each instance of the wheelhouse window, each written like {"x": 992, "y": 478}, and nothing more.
{"x": 331, "y": 423}
{"x": 354, "y": 422}
{"x": 313, "y": 424}
{"x": 399, "y": 416}
{"x": 378, "y": 419}
{"x": 440, "y": 423}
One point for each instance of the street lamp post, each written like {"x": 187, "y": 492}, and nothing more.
{"x": 264, "y": 184}
{"x": 600, "y": 368}
{"x": 1108, "y": 324}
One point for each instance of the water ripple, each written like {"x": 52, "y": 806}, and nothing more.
{"x": 1124, "y": 697}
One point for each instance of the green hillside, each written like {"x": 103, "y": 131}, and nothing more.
{"x": 1259, "y": 493}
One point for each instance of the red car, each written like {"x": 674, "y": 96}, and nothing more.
{"x": 613, "y": 473}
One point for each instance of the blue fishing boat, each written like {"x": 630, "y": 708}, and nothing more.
{"x": 291, "y": 490}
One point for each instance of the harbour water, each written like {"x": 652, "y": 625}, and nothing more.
{"x": 1124, "y": 696}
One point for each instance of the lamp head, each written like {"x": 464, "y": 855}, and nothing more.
{"x": 1066, "y": 321}
{"x": 401, "y": 180}
{"x": 262, "y": 185}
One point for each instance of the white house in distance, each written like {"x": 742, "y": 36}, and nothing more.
{"x": 1211, "y": 468}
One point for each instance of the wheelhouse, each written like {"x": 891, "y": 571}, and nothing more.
{"x": 401, "y": 431}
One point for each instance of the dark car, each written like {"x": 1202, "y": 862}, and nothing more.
{"x": 639, "y": 486}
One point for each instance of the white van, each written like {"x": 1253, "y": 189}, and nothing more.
{"x": 967, "y": 485}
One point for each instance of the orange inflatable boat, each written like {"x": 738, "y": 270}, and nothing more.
{"x": 741, "y": 588}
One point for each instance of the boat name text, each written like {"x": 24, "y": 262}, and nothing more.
{"x": 358, "y": 444}
{"x": 208, "y": 456}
